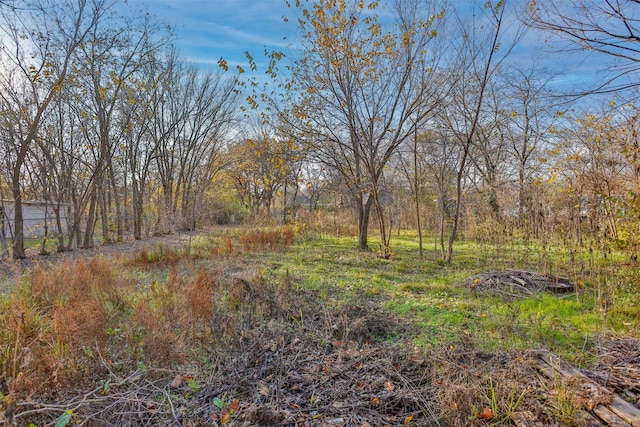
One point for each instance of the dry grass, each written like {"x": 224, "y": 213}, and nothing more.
{"x": 80, "y": 322}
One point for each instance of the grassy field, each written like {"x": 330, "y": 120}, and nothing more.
{"x": 164, "y": 328}
{"x": 428, "y": 293}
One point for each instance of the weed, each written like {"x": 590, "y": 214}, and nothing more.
{"x": 502, "y": 410}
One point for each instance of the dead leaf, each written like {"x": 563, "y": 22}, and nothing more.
{"x": 388, "y": 385}
{"x": 375, "y": 401}
{"x": 264, "y": 390}
{"x": 235, "y": 405}
{"x": 177, "y": 381}
{"x": 486, "y": 414}
{"x": 408, "y": 419}
{"x": 417, "y": 358}
{"x": 225, "y": 418}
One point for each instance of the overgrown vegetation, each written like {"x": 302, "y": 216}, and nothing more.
{"x": 285, "y": 325}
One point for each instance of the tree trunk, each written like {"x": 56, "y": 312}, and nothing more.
{"x": 137, "y": 205}
{"x": 117, "y": 202}
{"x": 385, "y": 250}
{"x": 364, "y": 211}
{"x": 104, "y": 218}
{"x": 91, "y": 220}
{"x": 416, "y": 188}
{"x": 18, "y": 218}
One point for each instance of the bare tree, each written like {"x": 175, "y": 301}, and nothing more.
{"x": 609, "y": 27}
{"x": 363, "y": 91}
{"x": 479, "y": 56}
{"x": 38, "y": 41}
{"x": 529, "y": 114}
{"x": 189, "y": 129}
{"x": 112, "y": 57}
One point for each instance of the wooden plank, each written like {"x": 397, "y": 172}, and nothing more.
{"x": 625, "y": 410}
{"x": 610, "y": 417}
{"x": 618, "y": 412}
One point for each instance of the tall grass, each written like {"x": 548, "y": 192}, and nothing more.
{"x": 77, "y": 323}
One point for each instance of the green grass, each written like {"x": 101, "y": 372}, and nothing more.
{"x": 426, "y": 293}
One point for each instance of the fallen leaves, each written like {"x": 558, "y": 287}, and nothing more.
{"x": 485, "y": 414}
{"x": 177, "y": 382}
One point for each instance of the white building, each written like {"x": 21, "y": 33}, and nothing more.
{"x": 36, "y": 214}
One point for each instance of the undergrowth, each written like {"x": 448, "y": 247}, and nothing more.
{"x": 78, "y": 324}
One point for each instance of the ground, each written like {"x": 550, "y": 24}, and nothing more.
{"x": 290, "y": 358}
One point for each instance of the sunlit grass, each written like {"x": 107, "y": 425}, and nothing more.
{"x": 427, "y": 292}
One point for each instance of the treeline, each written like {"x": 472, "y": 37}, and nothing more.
{"x": 100, "y": 116}
{"x": 418, "y": 116}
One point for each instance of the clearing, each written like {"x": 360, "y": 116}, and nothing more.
{"x": 264, "y": 327}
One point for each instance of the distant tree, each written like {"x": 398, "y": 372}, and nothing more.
{"x": 196, "y": 111}
{"x": 263, "y": 165}
{"x": 530, "y": 113}
{"x": 483, "y": 48}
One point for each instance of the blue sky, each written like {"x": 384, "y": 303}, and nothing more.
{"x": 209, "y": 29}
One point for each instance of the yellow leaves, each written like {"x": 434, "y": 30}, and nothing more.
{"x": 33, "y": 73}
{"x": 252, "y": 102}
{"x": 513, "y": 114}
{"x": 102, "y": 91}
{"x": 225, "y": 418}
{"x": 252, "y": 63}
{"x": 222, "y": 63}
{"x": 240, "y": 69}
{"x": 408, "y": 419}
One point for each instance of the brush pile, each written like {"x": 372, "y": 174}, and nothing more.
{"x": 516, "y": 283}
